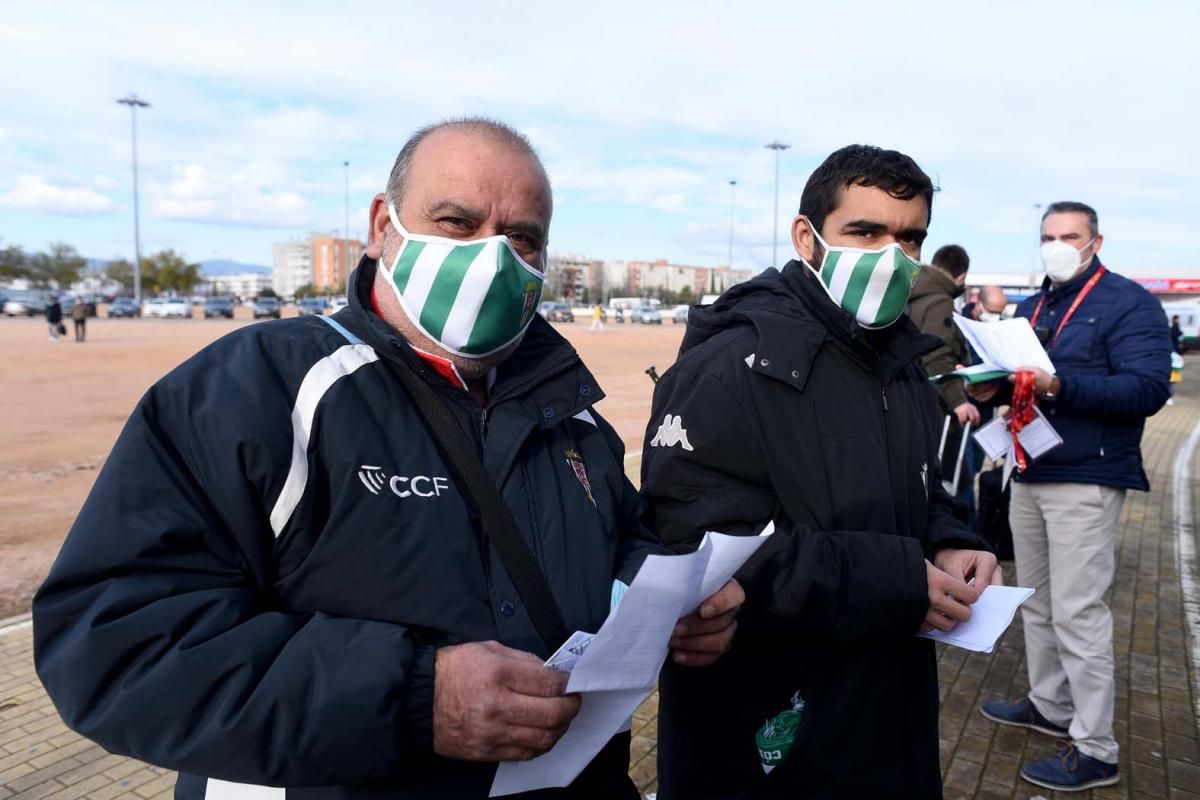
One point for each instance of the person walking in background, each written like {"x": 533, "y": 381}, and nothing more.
{"x": 79, "y": 315}
{"x": 1176, "y": 335}
{"x": 1176, "y": 374}
{"x": 597, "y": 318}
{"x": 54, "y": 317}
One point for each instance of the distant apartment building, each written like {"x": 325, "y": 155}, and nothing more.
{"x": 239, "y": 284}
{"x": 323, "y": 260}
{"x": 333, "y": 259}
{"x": 291, "y": 266}
{"x": 662, "y": 279}
{"x": 570, "y": 278}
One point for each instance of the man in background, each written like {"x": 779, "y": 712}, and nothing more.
{"x": 992, "y": 304}
{"x": 1108, "y": 340}
{"x": 931, "y": 308}
{"x": 54, "y": 317}
{"x": 79, "y": 315}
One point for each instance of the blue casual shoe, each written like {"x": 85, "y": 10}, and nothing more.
{"x": 1022, "y": 714}
{"x": 1070, "y": 771}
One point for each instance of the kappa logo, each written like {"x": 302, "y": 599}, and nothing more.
{"x": 671, "y": 433}
{"x": 403, "y": 486}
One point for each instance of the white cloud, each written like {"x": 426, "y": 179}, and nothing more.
{"x": 198, "y": 194}
{"x": 36, "y": 193}
{"x": 635, "y": 120}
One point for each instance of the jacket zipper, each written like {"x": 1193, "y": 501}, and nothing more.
{"x": 883, "y": 392}
{"x": 483, "y": 423}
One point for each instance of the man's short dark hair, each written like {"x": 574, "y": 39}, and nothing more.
{"x": 952, "y": 259}
{"x": 862, "y": 165}
{"x": 1069, "y": 207}
{"x": 494, "y": 129}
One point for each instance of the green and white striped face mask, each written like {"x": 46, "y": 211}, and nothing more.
{"x": 872, "y": 285}
{"x": 473, "y": 298}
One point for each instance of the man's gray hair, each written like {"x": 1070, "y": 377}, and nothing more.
{"x": 1069, "y": 207}
{"x": 483, "y": 126}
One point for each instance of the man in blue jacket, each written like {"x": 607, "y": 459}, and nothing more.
{"x": 1108, "y": 340}
{"x": 278, "y": 579}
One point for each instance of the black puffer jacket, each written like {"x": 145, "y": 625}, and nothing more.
{"x": 256, "y": 587}
{"x": 781, "y": 407}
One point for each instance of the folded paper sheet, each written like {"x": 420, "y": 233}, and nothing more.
{"x": 616, "y": 669}
{"x": 991, "y": 615}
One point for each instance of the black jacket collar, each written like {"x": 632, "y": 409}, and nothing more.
{"x": 794, "y": 318}
{"x": 889, "y": 349}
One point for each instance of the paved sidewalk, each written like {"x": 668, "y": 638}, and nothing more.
{"x": 1156, "y": 673}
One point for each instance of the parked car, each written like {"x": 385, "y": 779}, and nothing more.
{"x": 219, "y": 307}
{"x": 556, "y": 312}
{"x": 164, "y": 307}
{"x": 647, "y": 315}
{"x": 311, "y": 306}
{"x": 267, "y": 307}
{"x": 123, "y": 307}
{"x": 338, "y": 304}
{"x": 680, "y": 315}
{"x": 25, "y": 303}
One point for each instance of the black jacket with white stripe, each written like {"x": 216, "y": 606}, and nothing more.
{"x": 254, "y": 591}
{"x": 782, "y": 408}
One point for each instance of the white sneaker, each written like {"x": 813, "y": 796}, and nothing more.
{"x": 1170, "y": 401}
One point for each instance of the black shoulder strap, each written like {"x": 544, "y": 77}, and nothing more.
{"x": 494, "y": 515}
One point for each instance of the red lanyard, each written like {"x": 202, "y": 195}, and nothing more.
{"x": 1087, "y": 287}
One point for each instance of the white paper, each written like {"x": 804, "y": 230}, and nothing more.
{"x": 991, "y": 615}
{"x": 616, "y": 669}
{"x": 1008, "y": 344}
{"x": 602, "y": 715}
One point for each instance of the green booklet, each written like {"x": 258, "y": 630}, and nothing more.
{"x": 980, "y": 373}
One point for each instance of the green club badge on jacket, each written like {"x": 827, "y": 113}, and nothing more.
{"x": 775, "y": 738}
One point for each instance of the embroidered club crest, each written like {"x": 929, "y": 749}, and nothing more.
{"x": 576, "y": 462}
{"x": 532, "y": 291}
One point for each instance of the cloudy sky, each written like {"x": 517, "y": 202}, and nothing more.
{"x": 643, "y": 111}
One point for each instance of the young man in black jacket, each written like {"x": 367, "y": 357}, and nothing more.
{"x": 799, "y": 397}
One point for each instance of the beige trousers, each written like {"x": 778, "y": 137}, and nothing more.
{"x": 1064, "y": 540}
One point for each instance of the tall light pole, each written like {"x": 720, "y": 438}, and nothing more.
{"x": 346, "y": 244}
{"x": 1037, "y": 248}
{"x": 732, "y": 192}
{"x": 777, "y": 146}
{"x": 134, "y": 102}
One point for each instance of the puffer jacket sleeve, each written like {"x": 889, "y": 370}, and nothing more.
{"x": 1138, "y": 344}
{"x": 843, "y": 584}
{"x": 157, "y": 635}
{"x": 936, "y": 318}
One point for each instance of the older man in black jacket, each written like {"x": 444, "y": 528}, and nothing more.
{"x": 280, "y": 586}
{"x": 798, "y": 397}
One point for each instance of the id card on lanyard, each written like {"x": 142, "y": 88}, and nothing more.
{"x": 1087, "y": 287}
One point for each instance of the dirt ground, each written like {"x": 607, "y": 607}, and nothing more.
{"x": 62, "y": 406}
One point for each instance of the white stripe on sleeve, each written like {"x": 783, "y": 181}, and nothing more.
{"x": 316, "y": 383}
